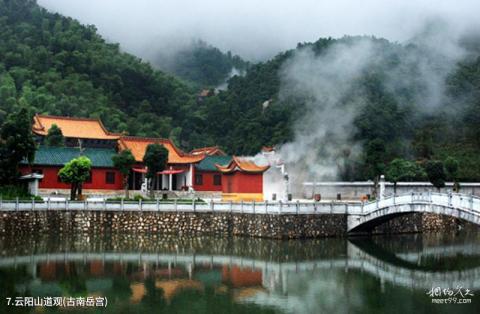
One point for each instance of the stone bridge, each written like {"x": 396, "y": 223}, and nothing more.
{"x": 371, "y": 214}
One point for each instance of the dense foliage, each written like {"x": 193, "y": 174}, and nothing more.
{"x": 16, "y": 145}
{"x": 124, "y": 161}
{"x": 55, "y": 65}
{"x": 54, "y": 136}
{"x": 75, "y": 172}
{"x": 202, "y": 64}
{"x": 155, "y": 159}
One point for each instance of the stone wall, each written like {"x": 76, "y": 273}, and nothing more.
{"x": 418, "y": 222}
{"x": 219, "y": 224}
{"x": 222, "y": 224}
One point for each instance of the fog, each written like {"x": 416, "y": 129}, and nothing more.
{"x": 255, "y": 29}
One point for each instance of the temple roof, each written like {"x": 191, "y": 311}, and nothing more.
{"x": 59, "y": 156}
{"x": 211, "y": 150}
{"x": 209, "y": 163}
{"x": 241, "y": 164}
{"x": 86, "y": 128}
{"x": 138, "y": 146}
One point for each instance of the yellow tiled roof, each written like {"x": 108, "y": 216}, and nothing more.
{"x": 138, "y": 146}
{"x": 241, "y": 164}
{"x": 212, "y": 150}
{"x": 73, "y": 127}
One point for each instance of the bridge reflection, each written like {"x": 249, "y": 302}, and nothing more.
{"x": 173, "y": 272}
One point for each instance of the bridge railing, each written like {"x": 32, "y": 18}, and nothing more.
{"x": 266, "y": 207}
{"x": 465, "y": 202}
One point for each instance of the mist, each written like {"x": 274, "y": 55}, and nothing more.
{"x": 255, "y": 30}
{"x": 328, "y": 85}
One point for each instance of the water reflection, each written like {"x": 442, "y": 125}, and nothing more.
{"x": 149, "y": 273}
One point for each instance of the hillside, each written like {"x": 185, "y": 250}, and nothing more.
{"x": 55, "y": 65}
{"x": 202, "y": 64}
{"x": 58, "y": 66}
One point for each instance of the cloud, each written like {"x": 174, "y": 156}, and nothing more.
{"x": 256, "y": 29}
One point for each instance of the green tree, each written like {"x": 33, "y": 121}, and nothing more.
{"x": 436, "y": 173}
{"x": 124, "y": 162}
{"x": 155, "y": 158}
{"x": 54, "y": 136}
{"x": 451, "y": 168}
{"x": 375, "y": 161}
{"x": 75, "y": 172}
{"x": 17, "y": 144}
{"x": 403, "y": 170}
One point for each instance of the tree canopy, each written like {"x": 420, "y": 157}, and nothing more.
{"x": 155, "y": 159}
{"x": 124, "y": 162}
{"x": 16, "y": 145}
{"x": 75, "y": 172}
{"x": 54, "y": 136}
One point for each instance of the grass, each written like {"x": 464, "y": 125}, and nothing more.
{"x": 12, "y": 192}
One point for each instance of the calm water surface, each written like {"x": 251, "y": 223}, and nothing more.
{"x": 168, "y": 274}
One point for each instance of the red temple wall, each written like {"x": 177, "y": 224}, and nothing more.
{"x": 50, "y": 178}
{"x": 207, "y": 177}
{"x": 240, "y": 182}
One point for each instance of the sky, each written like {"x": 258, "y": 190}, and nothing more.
{"x": 254, "y": 29}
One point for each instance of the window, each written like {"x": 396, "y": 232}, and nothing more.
{"x": 217, "y": 179}
{"x": 89, "y": 179}
{"x": 198, "y": 179}
{"x": 110, "y": 177}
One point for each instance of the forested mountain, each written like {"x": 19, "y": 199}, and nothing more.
{"x": 55, "y": 65}
{"x": 202, "y": 64}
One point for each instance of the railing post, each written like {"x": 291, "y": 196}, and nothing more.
{"x": 16, "y": 204}
{"x": 471, "y": 202}
{"x": 158, "y": 204}
{"x": 48, "y": 203}
{"x": 140, "y": 204}
{"x": 193, "y": 204}
{"x": 297, "y": 205}
{"x": 231, "y": 206}
{"x": 363, "y": 204}
{"x": 241, "y": 206}
{"x": 66, "y": 205}
{"x": 253, "y": 206}
{"x": 346, "y": 208}
{"x": 175, "y": 204}
{"x": 266, "y": 207}
{"x": 104, "y": 205}
{"x": 211, "y": 206}
{"x": 280, "y": 207}
{"x": 121, "y": 204}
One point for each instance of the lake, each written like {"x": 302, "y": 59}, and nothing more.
{"x": 133, "y": 273}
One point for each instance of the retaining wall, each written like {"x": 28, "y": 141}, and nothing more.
{"x": 276, "y": 226}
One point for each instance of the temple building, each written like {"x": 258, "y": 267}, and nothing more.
{"x": 49, "y": 160}
{"x": 242, "y": 180}
{"x": 85, "y": 132}
{"x": 180, "y": 166}
{"x": 206, "y": 170}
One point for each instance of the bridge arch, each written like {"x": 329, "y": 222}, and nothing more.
{"x": 459, "y": 206}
